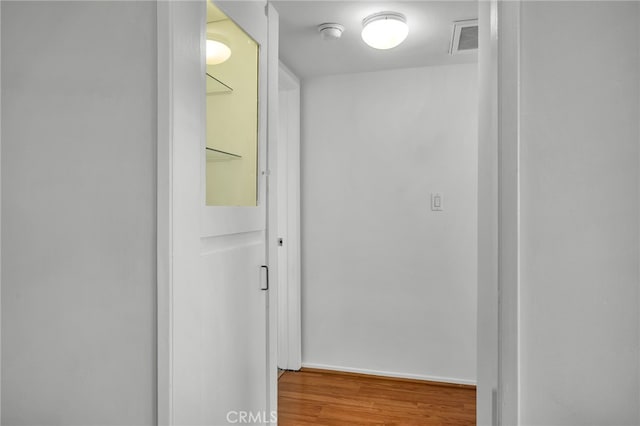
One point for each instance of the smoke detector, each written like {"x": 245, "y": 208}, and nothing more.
{"x": 464, "y": 38}
{"x": 330, "y": 31}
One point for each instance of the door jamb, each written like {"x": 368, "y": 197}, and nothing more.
{"x": 272, "y": 206}
{"x": 499, "y": 214}
{"x": 509, "y": 211}
{"x": 0, "y": 217}
{"x": 289, "y": 300}
{"x": 164, "y": 248}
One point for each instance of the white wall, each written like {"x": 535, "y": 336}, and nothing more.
{"x": 579, "y": 213}
{"x": 388, "y": 285}
{"x": 78, "y": 213}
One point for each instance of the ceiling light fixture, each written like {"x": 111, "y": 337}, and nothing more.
{"x": 217, "y": 52}
{"x": 384, "y": 30}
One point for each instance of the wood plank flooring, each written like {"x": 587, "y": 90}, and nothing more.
{"x": 328, "y": 398}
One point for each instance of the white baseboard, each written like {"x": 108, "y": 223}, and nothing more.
{"x": 450, "y": 380}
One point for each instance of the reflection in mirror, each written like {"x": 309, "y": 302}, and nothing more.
{"x": 232, "y": 113}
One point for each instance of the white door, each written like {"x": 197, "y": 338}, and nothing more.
{"x": 213, "y": 318}
{"x": 233, "y": 252}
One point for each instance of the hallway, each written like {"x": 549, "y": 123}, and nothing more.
{"x": 320, "y": 397}
{"x": 471, "y": 219}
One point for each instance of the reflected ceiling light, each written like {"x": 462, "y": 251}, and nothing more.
{"x": 384, "y": 30}
{"x": 217, "y": 52}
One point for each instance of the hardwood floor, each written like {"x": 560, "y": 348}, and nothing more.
{"x": 328, "y": 398}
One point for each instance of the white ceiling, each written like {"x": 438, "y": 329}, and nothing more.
{"x": 430, "y": 26}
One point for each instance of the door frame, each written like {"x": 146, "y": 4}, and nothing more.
{"x": 0, "y": 215}
{"x": 497, "y": 334}
{"x": 289, "y": 290}
{"x": 273, "y": 36}
{"x": 508, "y": 119}
{"x": 164, "y": 239}
{"x": 498, "y": 393}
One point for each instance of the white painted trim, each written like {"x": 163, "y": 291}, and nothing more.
{"x": 272, "y": 218}
{"x": 487, "y": 311}
{"x": 450, "y": 380}
{"x": 290, "y": 328}
{"x": 498, "y": 214}
{"x": 164, "y": 240}
{"x": 638, "y": 405}
{"x": 508, "y": 211}
{"x": 0, "y": 216}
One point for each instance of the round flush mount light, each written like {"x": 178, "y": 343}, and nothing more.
{"x": 384, "y": 30}
{"x": 217, "y": 52}
{"x": 330, "y": 31}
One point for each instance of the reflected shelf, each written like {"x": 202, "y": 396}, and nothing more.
{"x": 215, "y": 86}
{"x": 218, "y": 155}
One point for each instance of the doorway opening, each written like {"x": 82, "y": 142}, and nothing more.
{"x": 219, "y": 239}
{"x": 389, "y": 194}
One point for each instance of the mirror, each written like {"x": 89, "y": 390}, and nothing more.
{"x": 231, "y": 113}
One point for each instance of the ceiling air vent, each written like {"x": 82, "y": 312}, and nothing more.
{"x": 465, "y": 37}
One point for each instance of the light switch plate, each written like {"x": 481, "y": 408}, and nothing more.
{"x": 436, "y": 202}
